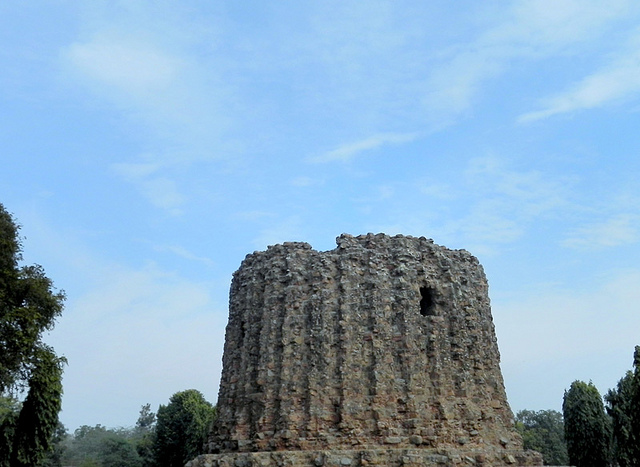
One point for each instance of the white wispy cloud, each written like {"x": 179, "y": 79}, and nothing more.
{"x": 127, "y": 64}
{"x": 161, "y": 191}
{"x": 304, "y": 181}
{"x": 150, "y": 73}
{"x": 164, "y": 90}
{"x": 495, "y": 205}
{"x": 507, "y": 200}
{"x": 349, "y": 151}
{"x": 614, "y": 82}
{"x": 619, "y": 229}
{"x": 530, "y": 29}
{"x": 185, "y": 253}
{"x": 544, "y": 26}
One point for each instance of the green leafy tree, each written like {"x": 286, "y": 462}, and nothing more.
{"x": 543, "y": 431}
{"x": 623, "y": 404}
{"x": 117, "y": 451}
{"x": 83, "y": 448}
{"x": 619, "y": 402}
{"x": 146, "y": 420}
{"x": 53, "y": 457}
{"x": 145, "y": 435}
{"x": 101, "y": 446}
{"x": 635, "y": 407}
{"x": 9, "y": 411}
{"x": 587, "y": 430}
{"x": 38, "y": 418}
{"x": 182, "y": 428}
{"x": 29, "y": 306}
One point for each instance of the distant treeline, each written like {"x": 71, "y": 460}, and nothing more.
{"x": 172, "y": 437}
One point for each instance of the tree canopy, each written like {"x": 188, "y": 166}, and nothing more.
{"x": 101, "y": 446}
{"x": 587, "y": 429}
{"x": 182, "y": 427}
{"x": 623, "y": 406}
{"x": 29, "y": 305}
{"x": 543, "y": 431}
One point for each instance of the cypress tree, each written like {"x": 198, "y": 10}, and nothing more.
{"x": 587, "y": 430}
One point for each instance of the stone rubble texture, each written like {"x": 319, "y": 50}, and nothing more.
{"x": 379, "y": 352}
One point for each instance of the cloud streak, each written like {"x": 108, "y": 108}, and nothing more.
{"x": 130, "y": 65}
{"x": 348, "y": 152}
{"x": 618, "y": 230}
{"x": 159, "y": 190}
{"x": 618, "y": 81}
{"x": 494, "y": 205}
{"x": 531, "y": 30}
{"x": 173, "y": 100}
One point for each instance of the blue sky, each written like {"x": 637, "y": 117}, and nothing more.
{"x": 148, "y": 146}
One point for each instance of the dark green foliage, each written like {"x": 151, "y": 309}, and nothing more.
{"x": 100, "y": 446}
{"x": 635, "y": 405}
{"x": 29, "y": 306}
{"x": 118, "y": 447}
{"x": 144, "y": 448}
{"x": 145, "y": 435}
{"x": 619, "y": 403}
{"x": 9, "y": 411}
{"x": 623, "y": 406}
{"x": 587, "y": 430}
{"x": 53, "y": 457}
{"x": 146, "y": 420}
{"x": 38, "y": 417}
{"x": 119, "y": 452}
{"x": 543, "y": 431}
{"x": 182, "y": 428}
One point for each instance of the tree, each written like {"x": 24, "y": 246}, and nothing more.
{"x": 117, "y": 451}
{"x": 145, "y": 435}
{"x": 53, "y": 457}
{"x": 29, "y": 306}
{"x": 543, "y": 431}
{"x": 619, "y": 402}
{"x": 38, "y": 418}
{"x": 635, "y": 406}
{"x": 623, "y": 406}
{"x": 101, "y": 446}
{"x": 146, "y": 419}
{"x": 587, "y": 429}
{"x": 9, "y": 411}
{"x": 182, "y": 428}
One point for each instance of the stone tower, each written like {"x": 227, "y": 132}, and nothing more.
{"x": 379, "y": 352}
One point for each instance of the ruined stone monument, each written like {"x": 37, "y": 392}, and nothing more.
{"x": 379, "y": 352}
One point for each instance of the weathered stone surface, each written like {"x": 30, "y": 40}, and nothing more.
{"x": 379, "y": 352}
{"x": 365, "y": 457}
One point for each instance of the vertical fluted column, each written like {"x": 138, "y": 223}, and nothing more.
{"x": 383, "y": 341}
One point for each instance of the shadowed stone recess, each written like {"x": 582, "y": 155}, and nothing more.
{"x": 379, "y": 352}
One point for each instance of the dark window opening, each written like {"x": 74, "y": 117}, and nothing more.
{"x": 427, "y": 305}
{"x": 242, "y": 330}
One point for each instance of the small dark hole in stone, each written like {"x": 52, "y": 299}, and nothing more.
{"x": 426, "y": 302}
